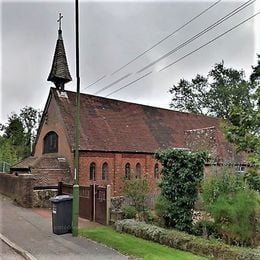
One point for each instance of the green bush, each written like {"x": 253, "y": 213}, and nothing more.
{"x": 180, "y": 240}
{"x": 182, "y": 172}
{"x": 161, "y": 209}
{"x": 234, "y": 207}
{"x": 129, "y": 212}
{"x": 136, "y": 189}
{"x": 206, "y": 229}
{"x": 253, "y": 180}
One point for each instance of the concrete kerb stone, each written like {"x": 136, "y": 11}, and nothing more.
{"x": 18, "y": 249}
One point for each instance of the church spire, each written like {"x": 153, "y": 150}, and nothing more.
{"x": 59, "y": 74}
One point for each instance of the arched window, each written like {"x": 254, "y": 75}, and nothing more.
{"x": 92, "y": 171}
{"x": 105, "y": 171}
{"x": 127, "y": 171}
{"x": 50, "y": 143}
{"x": 138, "y": 170}
{"x": 156, "y": 171}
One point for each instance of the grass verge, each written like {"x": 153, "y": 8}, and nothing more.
{"x": 133, "y": 246}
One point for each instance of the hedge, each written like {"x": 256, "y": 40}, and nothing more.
{"x": 184, "y": 241}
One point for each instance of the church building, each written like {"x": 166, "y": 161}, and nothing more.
{"x": 117, "y": 139}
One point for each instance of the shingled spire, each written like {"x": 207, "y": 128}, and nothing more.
{"x": 59, "y": 74}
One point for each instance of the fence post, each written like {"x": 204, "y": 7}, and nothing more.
{"x": 60, "y": 188}
{"x": 108, "y": 203}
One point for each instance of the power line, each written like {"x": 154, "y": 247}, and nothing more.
{"x": 145, "y": 75}
{"x": 215, "y": 24}
{"x": 201, "y": 33}
{"x": 168, "y": 36}
{"x": 219, "y": 36}
{"x": 156, "y": 44}
{"x": 94, "y": 82}
{"x": 113, "y": 83}
{"x": 190, "y": 53}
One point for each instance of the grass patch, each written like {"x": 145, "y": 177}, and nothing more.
{"x": 133, "y": 246}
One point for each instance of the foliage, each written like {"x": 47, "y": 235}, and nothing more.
{"x": 8, "y": 153}
{"x": 161, "y": 209}
{"x": 182, "y": 172}
{"x": 134, "y": 247}
{"x": 215, "y": 94}
{"x": 20, "y": 132}
{"x": 136, "y": 189}
{"x": 205, "y": 228}
{"x": 256, "y": 71}
{"x": 129, "y": 211}
{"x": 31, "y": 119}
{"x": 233, "y": 206}
{"x": 183, "y": 241}
{"x": 252, "y": 178}
{"x": 244, "y": 131}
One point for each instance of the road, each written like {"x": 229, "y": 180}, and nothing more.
{"x": 33, "y": 233}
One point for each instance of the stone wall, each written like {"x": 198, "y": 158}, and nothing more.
{"x": 19, "y": 188}
{"x": 41, "y": 198}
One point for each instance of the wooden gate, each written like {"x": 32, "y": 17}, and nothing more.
{"x": 92, "y": 201}
{"x": 86, "y": 202}
{"x": 101, "y": 205}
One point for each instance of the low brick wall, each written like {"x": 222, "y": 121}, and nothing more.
{"x": 19, "y": 188}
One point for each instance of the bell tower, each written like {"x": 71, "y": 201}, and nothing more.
{"x": 59, "y": 73}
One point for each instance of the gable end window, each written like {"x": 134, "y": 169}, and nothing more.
{"x": 50, "y": 143}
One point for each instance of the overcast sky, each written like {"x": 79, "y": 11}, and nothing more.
{"x": 112, "y": 34}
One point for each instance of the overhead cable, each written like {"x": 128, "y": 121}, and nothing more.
{"x": 185, "y": 56}
{"x": 201, "y": 33}
{"x": 156, "y": 44}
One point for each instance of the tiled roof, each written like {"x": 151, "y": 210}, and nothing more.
{"x": 47, "y": 161}
{"x": 112, "y": 125}
{"x": 211, "y": 139}
{"x": 60, "y": 71}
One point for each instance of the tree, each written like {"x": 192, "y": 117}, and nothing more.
{"x": 244, "y": 130}
{"x": 20, "y": 130}
{"x": 215, "y": 94}
{"x": 14, "y": 130}
{"x": 8, "y": 152}
{"x": 30, "y": 118}
{"x": 256, "y": 71}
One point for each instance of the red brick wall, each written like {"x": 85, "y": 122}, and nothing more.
{"x": 54, "y": 122}
{"x": 19, "y": 188}
{"x": 116, "y": 167}
{"x": 49, "y": 177}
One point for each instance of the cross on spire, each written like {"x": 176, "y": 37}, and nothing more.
{"x": 59, "y": 20}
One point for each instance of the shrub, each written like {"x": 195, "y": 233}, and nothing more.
{"x": 186, "y": 242}
{"x": 234, "y": 208}
{"x": 129, "y": 212}
{"x": 136, "y": 189}
{"x": 253, "y": 180}
{"x": 206, "y": 229}
{"x": 161, "y": 209}
{"x": 182, "y": 172}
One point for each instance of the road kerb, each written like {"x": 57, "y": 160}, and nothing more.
{"x": 18, "y": 249}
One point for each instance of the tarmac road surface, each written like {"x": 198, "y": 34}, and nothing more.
{"x": 33, "y": 233}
